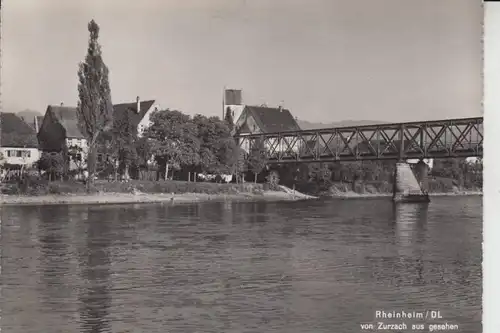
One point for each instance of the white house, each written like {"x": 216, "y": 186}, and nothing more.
{"x": 19, "y": 146}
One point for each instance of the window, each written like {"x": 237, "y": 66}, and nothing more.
{"x": 76, "y": 157}
{"x": 19, "y": 153}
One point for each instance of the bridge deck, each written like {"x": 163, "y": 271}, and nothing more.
{"x": 415, "y": 140}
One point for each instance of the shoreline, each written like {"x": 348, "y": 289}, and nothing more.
{"x": 125, "y": 198}
{"x": 354, "y": 195}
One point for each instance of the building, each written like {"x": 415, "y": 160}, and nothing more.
{"x": 263, "y": 119}
{"x": 232, "y": 102}
{"x": 32, "y": 118}
{"x": 19, "y": 145}
{"x": 59, "y": 128}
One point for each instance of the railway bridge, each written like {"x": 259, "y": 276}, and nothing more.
{"x": 399, "y": 142}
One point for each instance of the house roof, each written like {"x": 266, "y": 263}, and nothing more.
{"x": 16, "y": 132}
{"x": 39, "y": 120}
{"x": 119, "y": 110}
{"x": 273, "y": 119}
{"x": 30, "y": 120}
{"x": 67, "y": 117}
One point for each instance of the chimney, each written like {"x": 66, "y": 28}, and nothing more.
{"x": 138, "y": 100}
{"x": 280, "y": 107}
{"x": 62, "y": 104}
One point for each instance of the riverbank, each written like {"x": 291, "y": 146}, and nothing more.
{"x": 174, "y": 192}
{"x": 124, "y": 198}
{"x": 384, "y": 189}
{"x": 212, "y": 192}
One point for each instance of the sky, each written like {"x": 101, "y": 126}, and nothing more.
{"x": 325, "y": 60}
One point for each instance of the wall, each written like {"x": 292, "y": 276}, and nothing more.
{"x": 146, "y": 120}
{"x": 51, "y": 135}
{"x": 237, "y": 109}
{"x": 82, "y": 144}
{"x": 29, "y": 155}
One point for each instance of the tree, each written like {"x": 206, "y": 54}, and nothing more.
{"x": 94, "y": 110}
{"x": 257, "y": 158}
{"x": 217, "y": 146}
{"x": 228, "y": 118}
{"x": 240, "y": 166}
{"x": 208, "y": 138}
{"x": 52, "y": 163}
{"x": 143, "y": 151}
{"x": 174, "y": 139}
{"x": 124, "y": 138}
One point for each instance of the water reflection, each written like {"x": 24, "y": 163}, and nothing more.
{"x": 94, "y": 296}
{"x": 54, "y": 257}
{"x": 237, "y": 267}
{"x": 409, "y": 225}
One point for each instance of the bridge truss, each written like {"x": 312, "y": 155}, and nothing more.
{"x": 415, "y": 140}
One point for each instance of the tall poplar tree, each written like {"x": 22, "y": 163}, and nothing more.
{"x": 94, "y": 108}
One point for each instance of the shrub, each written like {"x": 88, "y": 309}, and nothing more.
{"x": 273, "y": 180}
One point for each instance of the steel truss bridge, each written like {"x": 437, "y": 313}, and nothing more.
{"x": 401, "y": 141}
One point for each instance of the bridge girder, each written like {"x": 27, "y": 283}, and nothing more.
{"x": 415, "y": 140}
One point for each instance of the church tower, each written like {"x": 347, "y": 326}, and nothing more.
{"x": 232, "y": 100}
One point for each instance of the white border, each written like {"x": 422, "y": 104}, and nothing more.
{"x": 491, "y": 173}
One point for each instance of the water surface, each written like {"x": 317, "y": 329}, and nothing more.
{"x": 313, "y": 266}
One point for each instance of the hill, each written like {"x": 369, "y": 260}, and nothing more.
{"x": 28, "y": 114}
{"x": 305, "y": 125}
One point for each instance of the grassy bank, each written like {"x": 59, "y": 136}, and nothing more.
{"x": 43, "y": 187}
{"x": 71, "y": 192}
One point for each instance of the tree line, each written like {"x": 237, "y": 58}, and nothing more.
{"x": 444, "y": 175}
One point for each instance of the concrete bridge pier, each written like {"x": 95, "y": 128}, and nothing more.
{"x": 410, "y": 183}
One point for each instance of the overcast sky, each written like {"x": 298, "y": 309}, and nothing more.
{"x": 328, "y": 60}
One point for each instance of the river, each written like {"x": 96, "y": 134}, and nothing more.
{"x": 311, "y": 266}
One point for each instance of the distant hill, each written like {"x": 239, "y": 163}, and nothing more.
{"x": 305, "y": 125}
{"x": 28, "y": 115}
{"x": 28, "y": 112}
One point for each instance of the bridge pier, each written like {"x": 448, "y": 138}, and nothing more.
{"x": 409, "y": 185}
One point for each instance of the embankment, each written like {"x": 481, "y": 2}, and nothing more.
{"x": 141, "y": 192}
{"x": 374, "y": 189}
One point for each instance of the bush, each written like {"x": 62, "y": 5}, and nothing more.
{"x": 273, "y": 179}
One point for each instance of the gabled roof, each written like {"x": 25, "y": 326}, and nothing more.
{"x": 30, "y": 120}
{"x": 272, "y": 119}
{"x": 119, "y": 110}
{"x": 39, "y": 120}
{"x": 66, "y": 115}
{"x": 16, "y": 132}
